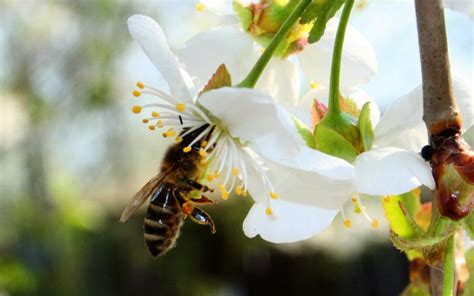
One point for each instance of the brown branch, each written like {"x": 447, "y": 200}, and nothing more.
{"x": 440, "y": 111}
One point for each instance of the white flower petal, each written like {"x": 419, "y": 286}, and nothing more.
{"x": 310, "y": 177}
{"x": 359, "y": 62}
{"x": 255, "y": 118}
{"x": 150, "y": 36}
{"x": 469, "y": 136}
{"x": 391, "y": 170}
{"x": 228, "y": 45}
{"x": 290, "y": 222}
{"x": 219, "y": 7}
{"x": 402, "y": 124}
{"x": 281, "y": 80}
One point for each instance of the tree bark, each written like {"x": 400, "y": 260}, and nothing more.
{"x": 440, "y": 111}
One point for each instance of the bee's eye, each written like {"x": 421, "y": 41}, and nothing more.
{"x": 427, "y": 152}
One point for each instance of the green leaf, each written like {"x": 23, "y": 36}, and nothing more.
{"x": 365, "y": 127}
{"x": 320, "y": 12}
{"x": 220, "y": 78}
{"x": 244, "y": 14}
{"x": 304, "y": 132}
{"x": 331, "y": 142}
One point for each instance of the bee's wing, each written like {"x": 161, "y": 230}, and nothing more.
{"x": 142, "y": 195}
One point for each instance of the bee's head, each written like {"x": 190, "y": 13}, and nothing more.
{"x": 190, "y": 137}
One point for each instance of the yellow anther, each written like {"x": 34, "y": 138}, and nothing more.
{"x": 221, "y": 187}
{"x": 375, "y": 223}
{"x": 268, "y": 211}
{"x": 136, "y": 109}
{"x": 200, "y": 7}
{"x": 152, "y": 127}
{"x": 386, "y": 198}
{"x": 314, "y": 85}
{"x": 155, "y": 114}
{"x": 181, "y": 107}
{"x": 210, "y": 177}
{"x": 145, "y": 120}
{"x": 347, "y": 223}
{"x": 235, "y": 171}
{"x": 225, "y": 194}
{"x": 140, "y": 85}
{"x": 238, "y": 190}
{"x": 202, "y": 152}
{"x": 178, "y": 140}
{"x": 170, "y": 133}
{"x": 217, "y": 175}
{"x": 187, "y": 149}
{"x": 159, "y": 123}
{"x": 274, "y": 195}
{"x": 203, "y": 143}
{"x": 357, "y": 210}
{"x": 136, "y": 93}
{"x": 354, "y": 199}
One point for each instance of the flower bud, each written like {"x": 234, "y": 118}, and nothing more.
{"x": 453, "y": 170}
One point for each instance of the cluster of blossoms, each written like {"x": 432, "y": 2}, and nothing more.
{"x": 254, "y": 145}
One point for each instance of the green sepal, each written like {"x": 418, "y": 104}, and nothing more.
{"x": 469, "y": 284}
{"x": 221, "y": 78}
{"x": 346, "y": 126}
{"x": 400, "y": 210}
{"x": 365, "y": 127}
{"x": 468, "y": 224}
{"x": 329, "y": 141}
{"x": 416, "y": 288}
{"x": 349, "y": 106}
{"x": 244, "y": 14}
{"x": 304, "y": 132}
{"x": 320, "y": 12}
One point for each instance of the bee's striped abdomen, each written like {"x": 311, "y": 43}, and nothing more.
{"x": 163, "y": 220}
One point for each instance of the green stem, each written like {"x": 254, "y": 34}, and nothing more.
{"x": 262, "y": 62}
{"x": 448, "y": 268}
{"x": 334, "y": 108}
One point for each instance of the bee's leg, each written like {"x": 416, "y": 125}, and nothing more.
{"x": 198, "y": 186}
{"x": 203, "y": 200}
{"x": 199, "y": 216}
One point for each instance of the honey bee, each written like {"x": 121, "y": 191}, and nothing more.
{"x": 173, "y": 194}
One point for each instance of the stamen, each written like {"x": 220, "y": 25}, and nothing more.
{"x": 200, "y": 7}
{"x": 202, "y": 152}
{"x": 203, "y": 143}
{"x": 181, "y": 107}
{"x": 274, "y": 195}
{"x": 159, "y": 124}
{"x": 375, "y": 223}
{"x": 155, "y": 114}
{"x": 268, "y": 211}
{"x": 152, "y": 127}
{"x": 145, "y": 120}
{"x": 136, "y": 109}
{"x": 136, "y": 93}
{"x": 169, "y": 133}
{"x": 187, "y": 149}
{"x": 347, "y": 222}
{"x": 210, "y": 177}
{"x": 140, "y": 85}
{"x": 238, "y": 190}
{"x": 314, "y": 85}
{"x": 178, "y": 140}
{"x": 224, "y": 192}
{"x": 235, "y": 171}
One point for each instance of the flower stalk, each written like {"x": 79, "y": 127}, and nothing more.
{"x": 251, "y": 79}
{"x": 334, "y": 108}
{"x": 448, "y": 267}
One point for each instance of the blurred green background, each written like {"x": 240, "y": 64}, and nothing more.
{"x": 71, "y": 157}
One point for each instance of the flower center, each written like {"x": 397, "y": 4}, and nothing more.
{"x": 226, "y": 160}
